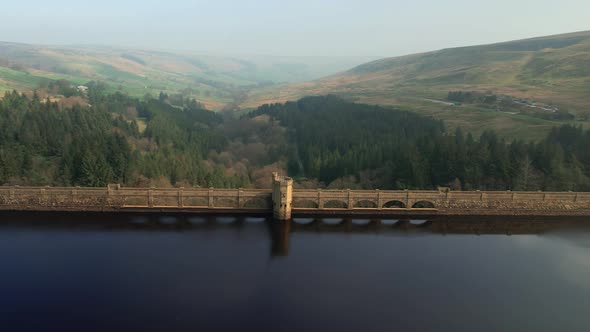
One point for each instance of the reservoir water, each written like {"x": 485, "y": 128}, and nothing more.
{"x": 169, "y": 273}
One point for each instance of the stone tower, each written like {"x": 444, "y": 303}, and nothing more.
{"x": 282, "y": 196}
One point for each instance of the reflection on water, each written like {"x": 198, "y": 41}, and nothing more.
{"x": 194, "y": 273}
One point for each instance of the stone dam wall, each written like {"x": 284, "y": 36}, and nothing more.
{"x": 301, "y": 202}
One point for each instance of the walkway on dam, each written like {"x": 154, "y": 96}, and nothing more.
{"x": 284, "y": 202}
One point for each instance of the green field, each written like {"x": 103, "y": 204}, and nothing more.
{"x": 476, "y": 120}
{"x": 213, "y": 80}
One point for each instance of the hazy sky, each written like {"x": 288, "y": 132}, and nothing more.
{"x": 285, "y": 27}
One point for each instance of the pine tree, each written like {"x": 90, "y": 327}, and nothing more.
{"x": 95, "y": 171}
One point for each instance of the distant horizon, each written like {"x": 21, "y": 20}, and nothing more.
{"x": 374, "y": 28}
{"x": 212, "y": 53}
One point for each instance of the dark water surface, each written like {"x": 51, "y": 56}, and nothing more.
{"x": 248, "y": 274}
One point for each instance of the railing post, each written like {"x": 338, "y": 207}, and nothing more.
{"x": 349, "y": 204}
{"x": 114, "y": 195}
{"x": 408, "y": 205}
{"x": 379, "y": 203}
{"x": 320, "y": 200}
{"x": 180, "y": 198}
{"x": 239, "y": 198}
{"x": 73, "y": 195}
{"x": 43, "y": 195}
{"x": 151, "y": 197}
{"x": 211, "y": 198}
{"x": 11, "y": 193}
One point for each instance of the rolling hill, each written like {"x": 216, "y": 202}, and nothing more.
{"x": 214, "y": 80}
{"x": 553, "y": 70}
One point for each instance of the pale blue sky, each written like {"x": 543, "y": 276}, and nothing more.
{"x": 286, "y": 27}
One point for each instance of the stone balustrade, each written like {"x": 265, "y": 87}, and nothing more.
{"x": 284, "y": 201}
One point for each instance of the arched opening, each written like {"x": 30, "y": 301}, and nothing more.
{"x": 394, "y": 205}
{"x": 419, "y": 223}
{"x": 423, "y": 205}
{"x": 258, "y": 203}
{"x": 335, "y": 205}
{"x": 361, "y": 222}
{"x": 225, "y": 203}
{"x": 305, "y": 204}
{"x": 366, "y": 204}
{"x": 333, "y": 221}
{"x": 303, "y": 221}
{"x": 389, "y": 222}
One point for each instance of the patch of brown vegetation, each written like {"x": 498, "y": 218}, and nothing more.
{"x": 211, "y": 104}
{"x": 69, "y": 102}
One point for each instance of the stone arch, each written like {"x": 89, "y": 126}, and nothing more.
{"x": 255, "y": 220}
{"x": 335, "y": 204}
{"x": 333, "y": 221}
{"x": 389, "y": 222}
{"x": 305, "y": 204}
{"x": 361, "y": 222}
{"x": 258, "y": 203}
{"x": 366, "y": 203}
{"x": 222, "y": 202}
{"x": 305, "y": 221}
{"x": 395, "y": 204}
{"x": 420, "y": 223}
{"x": 423, "y": 205}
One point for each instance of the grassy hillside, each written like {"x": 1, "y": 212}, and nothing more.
{"x": 552, "y": 70}
{"x": 216, "y": 81}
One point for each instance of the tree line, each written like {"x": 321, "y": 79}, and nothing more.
{"x": 362, "y": 146}
{"x": 321, "y": 141}
{"x": 42, "y": 144}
